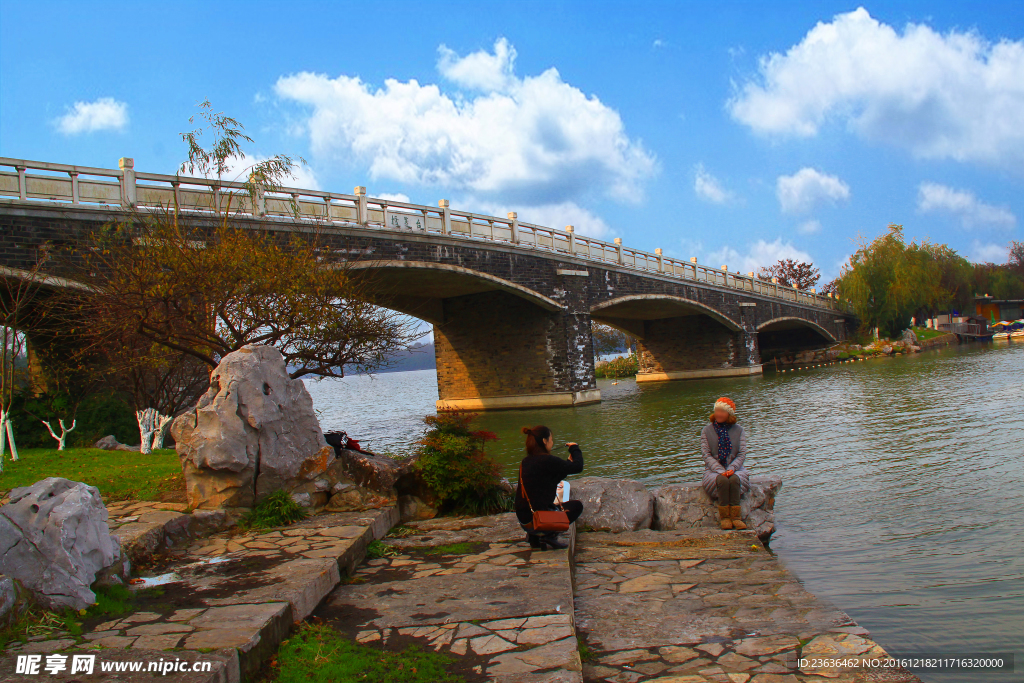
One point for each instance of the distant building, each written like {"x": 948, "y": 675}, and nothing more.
{"x": 1001, "y": 309}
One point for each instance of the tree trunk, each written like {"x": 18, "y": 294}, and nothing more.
{"x": 7, "y": 437}
{"x": 162, "y": 425}
{"x": 147, "y": 426}
{"x": 64, "y": 431}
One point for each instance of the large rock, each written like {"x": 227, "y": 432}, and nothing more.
{"x": 683, "y": 506}
{"x": 363, "y": 481}
{"x": 54, "y": 539}
{"x": 613, "y": 504}
{"x": 252, "y": 433}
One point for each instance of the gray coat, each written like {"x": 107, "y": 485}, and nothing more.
{"x": 712, "y": 468}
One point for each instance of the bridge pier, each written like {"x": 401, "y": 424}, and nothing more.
{"x": 695, "y": 347}
{"x": 498, "y": 351}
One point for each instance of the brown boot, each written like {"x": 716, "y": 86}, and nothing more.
{"x": 724, "y": 520}
{"x": 736, "y": 517}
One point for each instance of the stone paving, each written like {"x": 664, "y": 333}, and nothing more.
{"x": 684, "y": 606}
{"x": 505, "y": 607}
{"x": 236, "y": 593}
{"x": 698, "y": 606}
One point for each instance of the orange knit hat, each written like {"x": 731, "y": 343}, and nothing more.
{"x": 726, "y": 404}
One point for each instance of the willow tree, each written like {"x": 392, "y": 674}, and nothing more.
{"x": 889, "y": 280}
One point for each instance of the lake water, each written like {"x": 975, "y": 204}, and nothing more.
{"x": 902, "y": 502}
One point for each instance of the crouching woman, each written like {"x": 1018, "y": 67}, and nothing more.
{"x": 723, "y": 443}
{"x": 539, "y": 476}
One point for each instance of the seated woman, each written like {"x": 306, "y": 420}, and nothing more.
{"x": 723, "y": 443}
{"x": 541, "y": 473}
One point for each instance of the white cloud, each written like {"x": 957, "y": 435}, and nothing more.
{"x": 810, "y": 227}
{"x": 393, "y": 197}
{"x": 480, "y": 70}
{"x": 757, "y": 255}
{"x": 583, "y": 221}
{"x": 953, "y": 96}
{"x": 802, "y": 191}
{"x": 936, "y": 198}
{"x": 106, "y": 113}
{"x": 530, "y": 141}
{"x": 658, "y": 42}
{"x": 708, "y": 187}
{"x": 989, "y": 253}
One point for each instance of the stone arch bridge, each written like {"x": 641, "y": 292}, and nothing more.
{"x": 511, "y": 303}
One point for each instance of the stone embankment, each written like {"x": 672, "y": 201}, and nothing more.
{"x": 849, "y": 352}
{"x": 623, "y": 505}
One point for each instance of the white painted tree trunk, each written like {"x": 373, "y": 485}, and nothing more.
{"x": 64, "y": 431}
{"x": 163, "y": 424}
{"x": 7, "y": 437}
{"x": 147, "y": 426}
{"x": 8, "y": 429}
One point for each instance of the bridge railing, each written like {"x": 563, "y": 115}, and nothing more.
{"x": 35, "y": 181}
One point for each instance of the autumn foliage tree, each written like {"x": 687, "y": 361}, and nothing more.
{"x": 206, "y": 290}
{"x": 792, "y": 273}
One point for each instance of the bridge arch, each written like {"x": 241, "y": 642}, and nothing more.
{"x": 792, "y": 322}
{"x": 418, "y": 288}
{"x": 640, "y": 307}
{"x": 675, "y": 339}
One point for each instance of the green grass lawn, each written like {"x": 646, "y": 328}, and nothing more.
{"x": 927, "y": 333}
{"x": 319, "y": 653}
{"x": 117, "y": 474}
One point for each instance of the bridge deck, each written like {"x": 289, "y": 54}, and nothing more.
{"x": 83, "y": 187}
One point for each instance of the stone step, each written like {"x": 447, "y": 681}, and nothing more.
{"x": 502, "y": 604}
{"x": 239, "y": 594}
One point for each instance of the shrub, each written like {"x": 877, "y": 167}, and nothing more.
{"x": 454, "y": 465}
{"x": 277, "y": 509}
{"x": 624, "y": 366}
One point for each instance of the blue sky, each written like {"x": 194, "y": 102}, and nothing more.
{"x": 735, "y": 132}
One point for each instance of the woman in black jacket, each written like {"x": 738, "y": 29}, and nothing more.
{"x": 540, "y": 474}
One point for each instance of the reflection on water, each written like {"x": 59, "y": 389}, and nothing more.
{"x": 903, "y": 477}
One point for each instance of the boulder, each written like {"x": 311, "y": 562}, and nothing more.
{"x": 414, "y": 508}
{"x": 362, "y": 481}
{"x": 110, "y": 443}
{"x": 683, "y": 506}
{"x": 376, "y": 472}
{"x": 54, "y": 539}
{"x": 252, "y": 433}
{"x": 908, "y": 337}
{"x": 613, "y": 504}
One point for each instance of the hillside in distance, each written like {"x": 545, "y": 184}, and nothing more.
{"x": 416, "y": 357}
